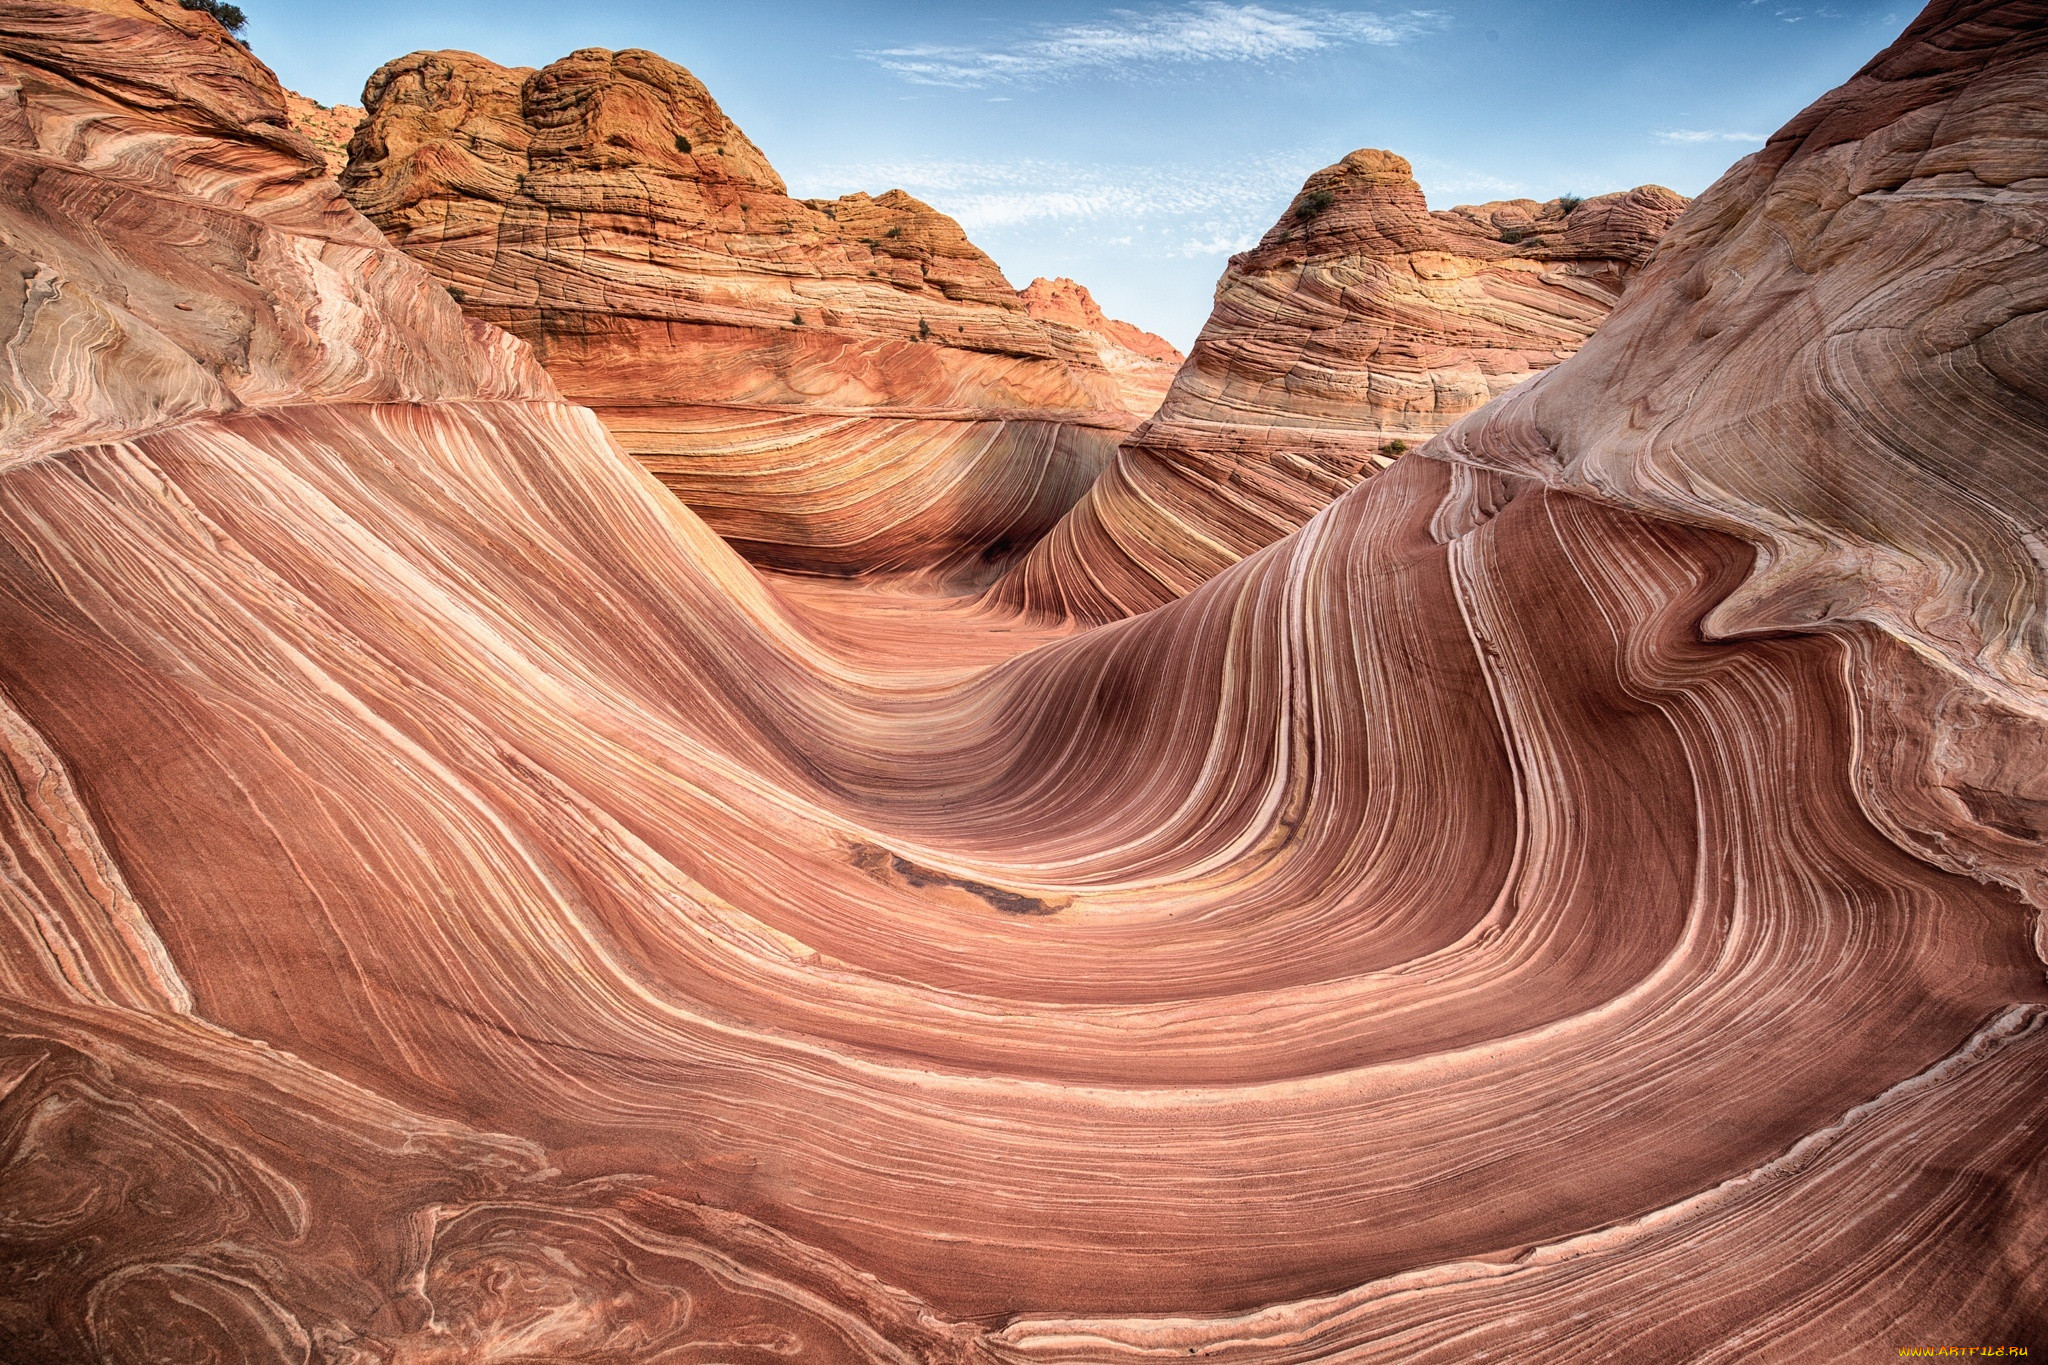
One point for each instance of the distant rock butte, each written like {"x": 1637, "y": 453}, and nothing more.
{"x": 837, "y": 385}
{"x": 1144, "y": 364}
{"x": 327, "y": 127}
{"x": 1360, "y": 321}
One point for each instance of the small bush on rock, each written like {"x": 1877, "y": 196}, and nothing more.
{"x": 682, "y": 143}
{"x": 1311, "y": 204}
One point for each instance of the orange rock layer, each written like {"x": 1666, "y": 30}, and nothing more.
{"x": 452, "y": 907}
{"x": 1362, "y": 324}
{"x": 1144, "y": 364}
{"x": 327, "y": 127}
{"x": 837, "y": 386}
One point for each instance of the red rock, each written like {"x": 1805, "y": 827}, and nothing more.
{"x": 837, "y": 386}
{"x": 1361, "y": 325}
{"x": 1144, "y": 364}
{"x": 327, "y": 127}
{"x": 453, "y": 908}
{"x": 257, "y": 290}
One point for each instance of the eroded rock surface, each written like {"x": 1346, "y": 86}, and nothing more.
{"x": 1144, "y": 364}
{"x": 452, "y": 907}
{"x": 1361, "y": 325}
{"x": 837, "y": 386}
{"x": 328, "y": 127}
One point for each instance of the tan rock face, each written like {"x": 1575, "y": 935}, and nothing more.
{"x": 327, "y": 127}
{"x": 1361, "y": 325}
{"x": 838, "y": 386}
{"x": 1144, "y": 364}
{"x": 453, "y": 908}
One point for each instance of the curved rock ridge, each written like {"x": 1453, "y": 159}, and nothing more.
{"x": 837, "y": 386}
{"x": 1902, "y": 399}
{"x": 1360, "y": 325}
{"x": 1144, "y": 364}
{"x": 452, "y": 907}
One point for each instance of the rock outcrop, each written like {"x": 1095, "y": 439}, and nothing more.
{"x": 1144, "y": 364}
{"x": 1575, "y": 898}
{"x": 328, "y": 127}
{"x": 837, "y": 386}
{"x": 1361, "y": 325}
{"x": 219, "y": 275}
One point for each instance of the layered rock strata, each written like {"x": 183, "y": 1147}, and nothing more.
{"x": 1144, "y": 364}
{"x": 454, "y": 909}
{"x": 328, "y": 127}
{"x": 837, "y": 386}
{"x": 1362, "y": 324}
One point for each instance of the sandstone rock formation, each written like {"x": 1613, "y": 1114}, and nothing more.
{"x": 1361, "y": 325}
{"x": 1144, "y": 364}
{"x": 327, "y": 127}
{"x": 837, "y": 386}
{"x": 220, "y": 275}
{"x": 454, "y": 908}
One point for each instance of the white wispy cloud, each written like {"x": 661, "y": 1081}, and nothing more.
{"x": 1795, "y": 13}
{"x": 1231, "y": 201}
{"x": 1442, "y": 182}
{"x": 1202, "y": 31}
{"x": 1217, "y": 244}
{"x": 1688, "y": 135}
{"x": 1171, "y": 210}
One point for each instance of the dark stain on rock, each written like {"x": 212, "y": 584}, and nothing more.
{"x": 883, "y": 865}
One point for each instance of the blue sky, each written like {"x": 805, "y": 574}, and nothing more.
{"x": 1134, "y": 146}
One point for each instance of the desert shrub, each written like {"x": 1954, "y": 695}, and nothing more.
{"x": 894, "y": 232}
{"x": 1568, "y": 202}
{"x": 924, "y": 330}
{"x": 1394, "y": 448}
{"x": 797, "y": 317}
{"x": 230, "y": 16}
{"x": 1313, "y": 203}
{"x": 682, "y": 143}
{"x": 458, "y": 293}
{"x": 1514, "y": 236}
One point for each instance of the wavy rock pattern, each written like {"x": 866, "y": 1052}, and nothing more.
{"x": 1362, "y": 324}
{"x": 837, "y": 386}
{"x": 455, "y": 909}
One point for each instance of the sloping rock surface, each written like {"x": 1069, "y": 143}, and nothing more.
{"x": 837, "y": 386}
{"x": 328, "y": 127}
{"x": 452, "y": 907}
{"x": 1361, "y": 325}
{"x": 1144, "y": 364}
